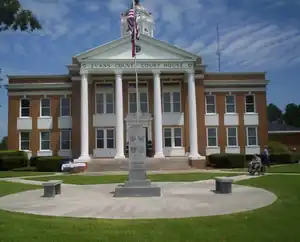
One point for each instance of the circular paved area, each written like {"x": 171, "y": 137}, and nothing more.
{"x": 178, "y": 200}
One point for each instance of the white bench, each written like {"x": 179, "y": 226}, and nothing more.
{"x": 223, "y": 185}
{"x": 52, "y": 188}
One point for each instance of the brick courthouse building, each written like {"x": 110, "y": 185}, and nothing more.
{"x": 186, "y": 111}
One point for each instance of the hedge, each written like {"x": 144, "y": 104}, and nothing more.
{"x": 241, "y": 160}
{"x": 12, "y": 159}
{"x": 49, "y": 163}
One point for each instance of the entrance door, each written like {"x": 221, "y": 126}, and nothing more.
{"x": 105, "y": 142}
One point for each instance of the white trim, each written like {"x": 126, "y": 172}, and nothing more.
{"x": 256, "y": 133}
{"x": 254, "y": 102}
{"x": 217, "y": 138}
{"x": 234, "y": 96}
{"x": 171, "y": 90}
{"x": 20, "y": 140}
{"x": 149, "y": 40}
{"x": 40, "y": 148}
{"x": 215, "y": 101}
{"x": 236, "y": 137}
{"x": 36, "y": 76}
{"x": 236, "y": 89}
{"x": 60, "y": 139}
{"x": 105, "y": 137}
{"x": 143, "y": 89}
{"x": 38, "y": 93}
{"x": 248, "y": 82}
{"x": 284, "y": 132}
{"x": 173, "y": 137}
{"x": 70, "y": 106}
{"x": 20, "y": 107}
{"x": 41, "y": 106}
{"x": 104, "y": 92}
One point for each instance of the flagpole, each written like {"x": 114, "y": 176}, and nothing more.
{"x": 135, "y": 69}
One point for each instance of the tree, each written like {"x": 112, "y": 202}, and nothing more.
{"x": 3, "y": 144}
{"x": 14, "y": 17}
{"x": 292, "y": 115}
{"x": 274, "y": 113}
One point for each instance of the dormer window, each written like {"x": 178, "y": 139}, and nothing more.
{"x": 146, "y": 30}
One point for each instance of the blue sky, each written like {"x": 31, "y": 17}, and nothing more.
{"x": 255, "y": 35}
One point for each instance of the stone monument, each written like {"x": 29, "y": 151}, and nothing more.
{"x": 137, "y": 185}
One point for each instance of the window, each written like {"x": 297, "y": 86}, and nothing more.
{"x": 210, "y": 101}
{"x": 65, "y": 139}
{"x": 232, "y": 139}
{"x": 250, "y": 103}
{"x": 172, "y": 102}
{"x": 105, "y": 138}
{"x": 65, "y": 107}
{"x": 25, "y": 108}
{"x": 24, "y": 140}
{"x": 105, "y": 103}
{"x": 45, "y": 140}
{"x": 251, "y": 133}
{"x": 212, "y": 137}
{"x": 172, "y": 137}
{"x": 230, "y": 104}
{"x": 143, "y": 102}
{"x": 45, "y": 107}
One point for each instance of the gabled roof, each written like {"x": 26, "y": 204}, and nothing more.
{"x": 274, "y": 128}
{"x": 143, "y": 38}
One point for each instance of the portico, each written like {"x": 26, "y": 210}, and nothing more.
{"x": 157, "y": 59}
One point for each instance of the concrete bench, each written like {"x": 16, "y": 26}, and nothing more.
{"x": 223, "y": 185}
{"x": 52, "y": 188}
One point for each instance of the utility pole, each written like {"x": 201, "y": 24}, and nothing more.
{"x": 218, "y": 49}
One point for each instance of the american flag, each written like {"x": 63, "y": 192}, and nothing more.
{"x": 133, "y": 28}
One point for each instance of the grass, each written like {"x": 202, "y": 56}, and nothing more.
{"x": 5, "y": 174}
{"x": 277, "y": 222}
{"x": 105, "y": 179}
{"x": 288, "y": 168}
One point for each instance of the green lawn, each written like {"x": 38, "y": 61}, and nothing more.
{"x": 278, "y": 222}
{"x": 289, "y": 168}
{"x": 105, "y": 179}
{"x": 5, "y": 174}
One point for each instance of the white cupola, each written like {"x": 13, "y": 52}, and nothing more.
{"x": 144, "y": 20}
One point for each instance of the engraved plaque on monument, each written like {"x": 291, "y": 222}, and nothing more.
{"x": 137, "y": 155}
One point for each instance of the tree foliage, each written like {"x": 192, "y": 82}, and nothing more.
{"x": 291, "y": 115}
{"x": 274, "y": 113}
{"x": 3, "y": 144}
{"x": 14, "y": 17}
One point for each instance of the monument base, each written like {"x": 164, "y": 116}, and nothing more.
{"x": 137, "y": 191}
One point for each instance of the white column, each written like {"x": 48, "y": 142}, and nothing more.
{"x": 84, "y": 125}
{"x": 193, "y": 117}
{"x": 157, "y": 117}
{"x": 119, "y": 118}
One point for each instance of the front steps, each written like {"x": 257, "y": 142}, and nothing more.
{"x": 169, "y": 163}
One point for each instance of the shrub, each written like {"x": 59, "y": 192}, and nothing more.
{"x": 49, "y": 163}
{"x": 32, "y": 161}
{"x": 18, "y": 159}
{"x": 27, "y": 168}
{"x": 13, "y": 153}
{"x": 12, "y": 162}
{"x": 276, "y": 147}
{"x": 284, "y": 158}
{"x": 227, "y": 160}
{"x": 295, "y": 157}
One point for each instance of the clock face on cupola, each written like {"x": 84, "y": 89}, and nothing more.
{"x": 144, "y": 19}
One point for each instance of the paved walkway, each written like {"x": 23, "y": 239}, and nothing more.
{"x": 178, "y": 200}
